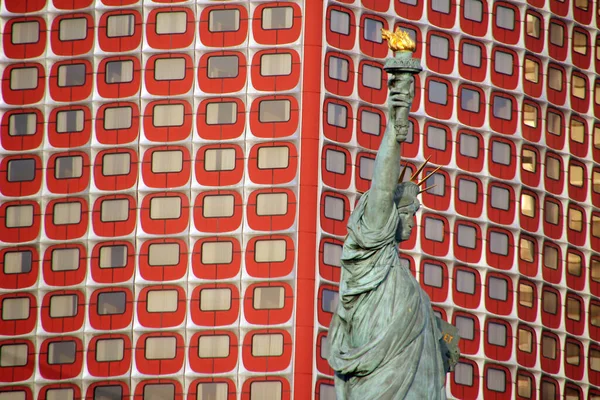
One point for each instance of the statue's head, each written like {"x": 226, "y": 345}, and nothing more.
{"x": 407, "y": 205}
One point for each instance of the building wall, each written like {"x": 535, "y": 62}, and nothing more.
{"x": 176, "y": 179}
{"x": 506, "y": 243}
{"x": 149, "y": 179}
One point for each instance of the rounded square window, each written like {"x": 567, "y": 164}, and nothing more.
{"x": 119, "y": 72}
{"x": 160, "y": 301}
{"x": 171, "y": 22}
{"x": 13, "y": 355}
{"x": 224, "y": 20}
{"x": 120, "y": 25}
{"x": 498, "y": 243}
{"x": 268, "y": 298}
{"x": 338, "y": 68}
{"x": 170, "y": 69}
{"x": 65, "y": 259}
{"x": 439, "y": 47}
{"x": 433, "y": 275}
{"x": 22, "y": 124}
{"x": 23, "y": 78}
{"x": 267, "y": 345}
{"x": 505, "y": 18}
{"x": 72, "y": 29}
{"x": 116, "y": 164}
{"x": 497, "y": 289}
{"x": 15, "y": 309}
{"x": 17, "y": 262}
{"x": 25, "y": 32}
{"x": 217, "y": 252}
{"x": 111, "y": 303}
{"x": 277, "y": 18}
{"x": 165, "y": 208}
{"x": 503, "y": 63}
{"x": 274, "y": 111}
{"x": 113, "y": 256}
{"x": 160, "y": 348}
{"x": 214, "y": 346}
{"x": 19, "y": 216}
{"x": 276, "y": 64}
{"x": 22, "y": 170}
{"x": 471, "y": 55}
{"x": 118, "y": 117}
{"x": 217, "y": 206}
{"x": 66, "y": 213}
{"x": 62, "y": 352}
{"x": 438, "y": 92}
{"x": 71, "y": 75}
{"x": 339, "y": 22}
{"x": 371, "y": 76}
{"x": 109, "y": 350}
{"x": 271, "y": 204}
{"x": 372, "y": 30}
{"x": 167, "y": 161}
{"x": 223, "y": 66}
{"x": 217, "y": 300}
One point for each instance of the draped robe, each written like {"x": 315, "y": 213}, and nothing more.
{"x": 384, "y": 339}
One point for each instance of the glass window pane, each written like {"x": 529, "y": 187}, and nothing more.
{"x": 62, "y": 352}
{"x": 109, "y": 350}
{"x": 268, "y": 298}
{"x": 72, "y": 29}
{"x": 116, "y": 164}
{"x": 160, "y": 348}
{"x": 171, "y": 22}
{"x": 223, "y": 66}
{"x": 216, "y": 346}
{"x": 505, "y": 18}
{"x": 113, "y": 256}
{"x": 67, "y": 213}
{"x": 338, "y": 68}
{"x": 215, "y": 299}
{"x": 270, "y": 250}
{"x": 267, "y": 345}
{"x": 274, "y": 110}
{"x": 217, "y": 252}
{"x": 438, "y": 92}
{"x": 277, "y": 17}
{"x": 120, "y": 25}
{"x": 498, "y": 288}
{"x": 22, "y": 124}
{"x": 221, "y": 113}
{"x": 119, "y": 72}
{"x": 218, "y": 206}
{"x": 15, "y": 308}
{"x": 340, "y": 22}
{"x": 111, "y": 303}
{"x": 372, "y": 30}
{"x": 224, "y": 20}
{"x": 71, "y": 75}
{"x": 24, "y": 78}
{"x": 276, "y": 64}
{"x": 439, "y": 47}
{"x": 25, "y": 32}
{"x": 118, "y": 117}
{"x": 334, "y": 208}
{"x": 165, "y": 208}
{"x": 371, "y": 77}
{"x": 170, "y": 69}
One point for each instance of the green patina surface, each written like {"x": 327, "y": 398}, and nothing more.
{"x": 386, "y": 342}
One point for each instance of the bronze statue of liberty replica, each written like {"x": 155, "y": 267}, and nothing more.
{"x": 386, "y": 342}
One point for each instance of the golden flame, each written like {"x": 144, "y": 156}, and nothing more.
{"x": 399, "y": 40}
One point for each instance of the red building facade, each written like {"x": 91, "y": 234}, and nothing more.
{"x": 176, "y": 177}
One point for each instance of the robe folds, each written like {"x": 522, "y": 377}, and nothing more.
{"x": 384, "y": 339}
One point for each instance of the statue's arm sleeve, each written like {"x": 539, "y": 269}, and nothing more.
{"x": 385, "y": 178}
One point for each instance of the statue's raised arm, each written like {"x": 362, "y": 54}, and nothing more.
{"x": 383, "y": 192}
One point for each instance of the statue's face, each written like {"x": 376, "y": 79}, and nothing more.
{"x": 407, "y": 221}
